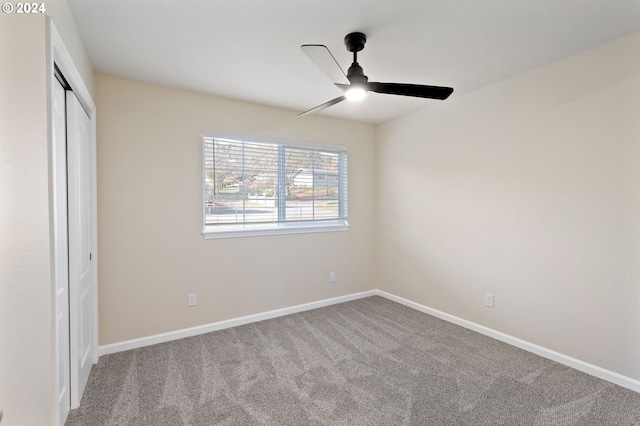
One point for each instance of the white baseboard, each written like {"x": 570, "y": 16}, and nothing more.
{"x": 234, "y": 322}
{"x": 585, "y": 367}
{"x": 594, "y": 370}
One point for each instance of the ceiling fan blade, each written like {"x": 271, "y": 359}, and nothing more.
{"x": 416, "y": 90}
{"x": 323, "y": 106}
{"x": 322, "y": 57}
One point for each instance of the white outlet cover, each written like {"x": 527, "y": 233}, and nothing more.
{"x": 488, "y": 300}
{"x": 191, "y": 299}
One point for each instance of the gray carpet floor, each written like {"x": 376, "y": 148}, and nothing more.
{"x": 367, "y": 362}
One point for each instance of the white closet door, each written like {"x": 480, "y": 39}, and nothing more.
{"x": 81, "y": 285}
{"x": 59, "y": 174}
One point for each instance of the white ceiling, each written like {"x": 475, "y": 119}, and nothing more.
{"x": 250, "y": 49}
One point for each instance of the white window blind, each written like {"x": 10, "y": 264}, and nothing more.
{"x": 256, "y": 187}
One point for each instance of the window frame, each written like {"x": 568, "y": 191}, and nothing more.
{"x": 281, "y": 227}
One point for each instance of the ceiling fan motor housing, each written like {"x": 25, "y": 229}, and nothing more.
{"x": 355, "y": 74}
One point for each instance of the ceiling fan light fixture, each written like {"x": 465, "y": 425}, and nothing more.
{"x": 355, "y": 93}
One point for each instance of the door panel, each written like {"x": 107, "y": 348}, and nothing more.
{"x": 81, "y": 285}
{"x": 59, "y": 174}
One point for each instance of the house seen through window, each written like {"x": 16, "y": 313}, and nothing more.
{"x": 253, "y": 187}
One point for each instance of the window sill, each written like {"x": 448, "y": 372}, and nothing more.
{"x": 282, "y": 230}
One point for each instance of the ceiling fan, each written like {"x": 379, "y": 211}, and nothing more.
{"x": 354, "y": 83}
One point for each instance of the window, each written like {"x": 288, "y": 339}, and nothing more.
{"x": 257, "y": 187}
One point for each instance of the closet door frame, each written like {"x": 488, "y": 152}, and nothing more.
{"x": 58, "y": 56}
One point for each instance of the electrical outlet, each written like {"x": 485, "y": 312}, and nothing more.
{"x": 488, "y": 300}
{"x": 332, "y": 277}
{"x": 191, "y": 299}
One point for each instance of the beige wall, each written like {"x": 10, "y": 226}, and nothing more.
{"x": 25, "y": 281}
{"x": 527, "y": 189}
{"x": 152, "y": 253}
